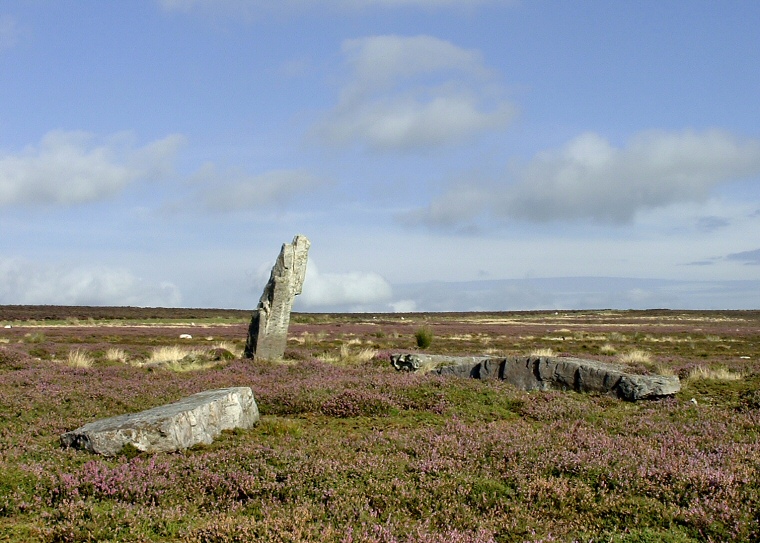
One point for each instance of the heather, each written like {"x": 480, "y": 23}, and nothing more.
{"x": 349, "y": 450}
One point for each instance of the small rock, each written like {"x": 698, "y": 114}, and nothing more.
{"x": 694, "y": 401}
{"x": 185, "y": 336}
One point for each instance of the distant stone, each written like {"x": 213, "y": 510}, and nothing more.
{"x": 268, "y": 330}
{"x": 185, "y": 336}
{"x": 580, "y": 375}
{"x": 8, "y": 326}
{"x": 419, "y": 361}
{"x": 200, "y": 418}
{"x": 405, "y": 362}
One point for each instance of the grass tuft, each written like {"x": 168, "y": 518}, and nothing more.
{"x": 546, "y": 352}
{"x": 114, "y": 354}
{"x": 235, "y": 348}
{"x": 635, "y": 356}
{"x": 347, "y": 357}
{"x": 701, "y": 373}
{"x": 78, "y": 359}
{"x": 170, "y": 353}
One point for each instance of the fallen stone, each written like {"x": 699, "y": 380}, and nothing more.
{"x": 418, "y": 361}
{"x": 199, "y": 418}
{"x": 580, "y": 375}
{"x": 268, "y": 330}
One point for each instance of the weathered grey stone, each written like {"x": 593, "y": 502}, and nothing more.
{"x": 197, "y": 419}
{"x": 406, "y": 362}
{"x": 268, "y": 330}
{"x": 420, "y": 361}
{"x": 581, "y": 375}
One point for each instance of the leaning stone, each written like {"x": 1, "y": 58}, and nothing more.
{"x": 268, "y": 330}
{"x": 200, "y": 418}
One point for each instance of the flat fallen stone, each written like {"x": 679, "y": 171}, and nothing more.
{"x": 199, "y": 418}
{"x": 559, "y": 373}
{"x": 418, "y": 361}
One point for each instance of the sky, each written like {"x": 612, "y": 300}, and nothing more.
{"x": 441, "y": 155}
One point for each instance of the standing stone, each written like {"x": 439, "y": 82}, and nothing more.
{"x": 268, "y": 331}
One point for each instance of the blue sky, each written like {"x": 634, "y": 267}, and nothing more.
{"x": 441, "y": 155}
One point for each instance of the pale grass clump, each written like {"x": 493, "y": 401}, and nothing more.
{"x": 4, "y": 340}
{"x": 607, "y": 349}
{"x": 182, "y": 359}
{"x": 194, "y": 364}
{"x": 347, "y": 357}
{"x": 542, "y": 352}
{"x": 635, "y": 356}
{"x": 114, "y": 354}
{"x": 78, "y": 359}
{"x": 308, "y": 338}
{"x": 167, "y": 354}
{"x": 713, "y": 374}
{"x": 230, "y": 346}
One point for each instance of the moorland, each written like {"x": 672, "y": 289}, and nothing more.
{"x": 349, "y": 450}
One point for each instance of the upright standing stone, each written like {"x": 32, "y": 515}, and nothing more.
{"x": 268, "y": 331}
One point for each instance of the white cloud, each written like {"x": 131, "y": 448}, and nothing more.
{"x": 71, "y": 168}
{"x": 589, "y": 178}
{"x": 237, "y": 190}
{"x": 412, "y": 92}
{"x": 353, "y": 290}
{"x": 9, "y": 32}
{"x": 404, "y": 306}
{"x": 27, "y": 282}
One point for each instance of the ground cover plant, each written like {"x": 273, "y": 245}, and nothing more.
{"x": 348, "y": 450}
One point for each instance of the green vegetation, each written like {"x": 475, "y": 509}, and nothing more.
{"x": 348, "y": 449}
{"x": 424, "y": 337}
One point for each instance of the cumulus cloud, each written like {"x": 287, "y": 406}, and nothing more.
{"x": 27, "y": 282}
{"x": 73, "y": 168}
{"x": 9, "y": 32}
{"x": 590, "y": 179}
{"x": 238, "y": 190}
{"x": 413, "y": 92}
{"x": 349, "y": 290}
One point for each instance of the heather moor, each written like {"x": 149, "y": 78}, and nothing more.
{"x": 348, "y": 449}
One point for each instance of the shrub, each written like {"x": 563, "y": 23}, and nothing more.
{"x": 424, "y": 337}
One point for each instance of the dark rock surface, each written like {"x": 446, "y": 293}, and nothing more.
{"x": 544, "y": 373}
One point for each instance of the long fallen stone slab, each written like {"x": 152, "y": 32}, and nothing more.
{"x": 199, "y": 418}
{"x": 559, "y": 373}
